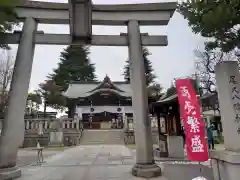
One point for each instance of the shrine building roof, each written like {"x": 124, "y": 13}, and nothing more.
{"x": 164, "y": 100}
{"x": 167, "y": 100}
{"x": 82, "y": 89}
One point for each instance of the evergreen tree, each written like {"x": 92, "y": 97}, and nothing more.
{"x": 74, "y": 65}
{"x": 52, "y": 96}
{"x": 171, "y": 90}
{"x": 8, "y": 17}
{"x": 150, "y": 76}
{"x": 196, "y": 87}
{"x": 34, "y": 100}
{"x": 218, "y": 20}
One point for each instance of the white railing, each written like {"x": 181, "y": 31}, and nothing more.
{"x": 47, "y": 124}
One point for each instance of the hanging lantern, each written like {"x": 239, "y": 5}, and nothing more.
{"x": 119, "y": 109}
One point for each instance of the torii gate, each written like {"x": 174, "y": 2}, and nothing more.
{"x": 81, "y": 15}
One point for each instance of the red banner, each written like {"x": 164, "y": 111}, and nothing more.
{"x": 197, "y": 149}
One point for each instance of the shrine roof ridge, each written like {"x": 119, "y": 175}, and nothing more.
{"x": 169, "y": 98}
{"x": 164, "y": 6}
{"x": 209, "y": 95}
{"x": 166, "y": 100}
{"x": 123, "y": 94}
{"x": 97, "y": 82}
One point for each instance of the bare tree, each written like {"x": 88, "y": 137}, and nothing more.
{"x": 6, "y": 70}
{"x": 205, "y": 67}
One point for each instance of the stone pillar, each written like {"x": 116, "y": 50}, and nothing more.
{"x": 1, "y": 124}
{"x": 73, "y": 122}
{"x": 228, "y": 87}
{"x": 27, "y": 124}
{"x": 77, "y": 124}
{"x": 68, "y": 124}
{"x": 145, "y": 165}
{"x": 46, "y": 124}
{"x": 36, "y": 124}
{"x": 226, "y": 163}
{"x": 32, "y": 124}
{"x": 126, "y": 122}
{"x": 40, "y": 128}
{"x": 13, "y": 126}
{"x": 63, "y": 124}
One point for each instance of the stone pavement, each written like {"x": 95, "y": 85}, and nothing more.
{"x": 176, "y": 169}
{"x": 95, "y": 162}
{"x": 28, "y": 156}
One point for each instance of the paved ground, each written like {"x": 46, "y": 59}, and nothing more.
{"x": 183, "y": 169}
{"x": 186, "y": 171}
{"x": 219, "y": 146}
{"x": 28, "y": 156}
{"x": 103, "y": 162}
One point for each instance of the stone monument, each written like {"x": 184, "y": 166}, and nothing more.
{"x": 226, "y": 163}
{"x": 56, "y": 133}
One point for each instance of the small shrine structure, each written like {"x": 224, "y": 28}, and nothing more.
{"x": 170, "y": 132}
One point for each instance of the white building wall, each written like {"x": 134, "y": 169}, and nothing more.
{"x": 113, "y": 109}
{"x": 99, "y": 109}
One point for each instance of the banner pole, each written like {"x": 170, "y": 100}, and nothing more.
{"x": 200, "y": 167}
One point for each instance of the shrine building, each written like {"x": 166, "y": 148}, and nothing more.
{"x": 171, "y": 143}
{"x": 101, "y": 105}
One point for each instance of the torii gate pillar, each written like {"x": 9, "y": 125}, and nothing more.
{"x": 145, "y": 165}
{"x": 13, "y": 125}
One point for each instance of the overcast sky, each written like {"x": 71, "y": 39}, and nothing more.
{"x": 175, "y": 60}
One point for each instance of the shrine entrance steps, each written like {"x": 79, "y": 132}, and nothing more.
{"x": 95, "y": 137}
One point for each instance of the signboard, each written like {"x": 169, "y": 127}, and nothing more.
{"x": 197, "y": 149}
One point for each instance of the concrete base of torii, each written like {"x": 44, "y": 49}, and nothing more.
{"x": 146, "y": 170}
{"x": 10, "y": 173}
{"x": 225, "y": 165}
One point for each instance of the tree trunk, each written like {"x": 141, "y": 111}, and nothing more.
{"x": 71, "y": 108}
{"x": 71, "y": 112}
{"x": 45, "y": 110}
